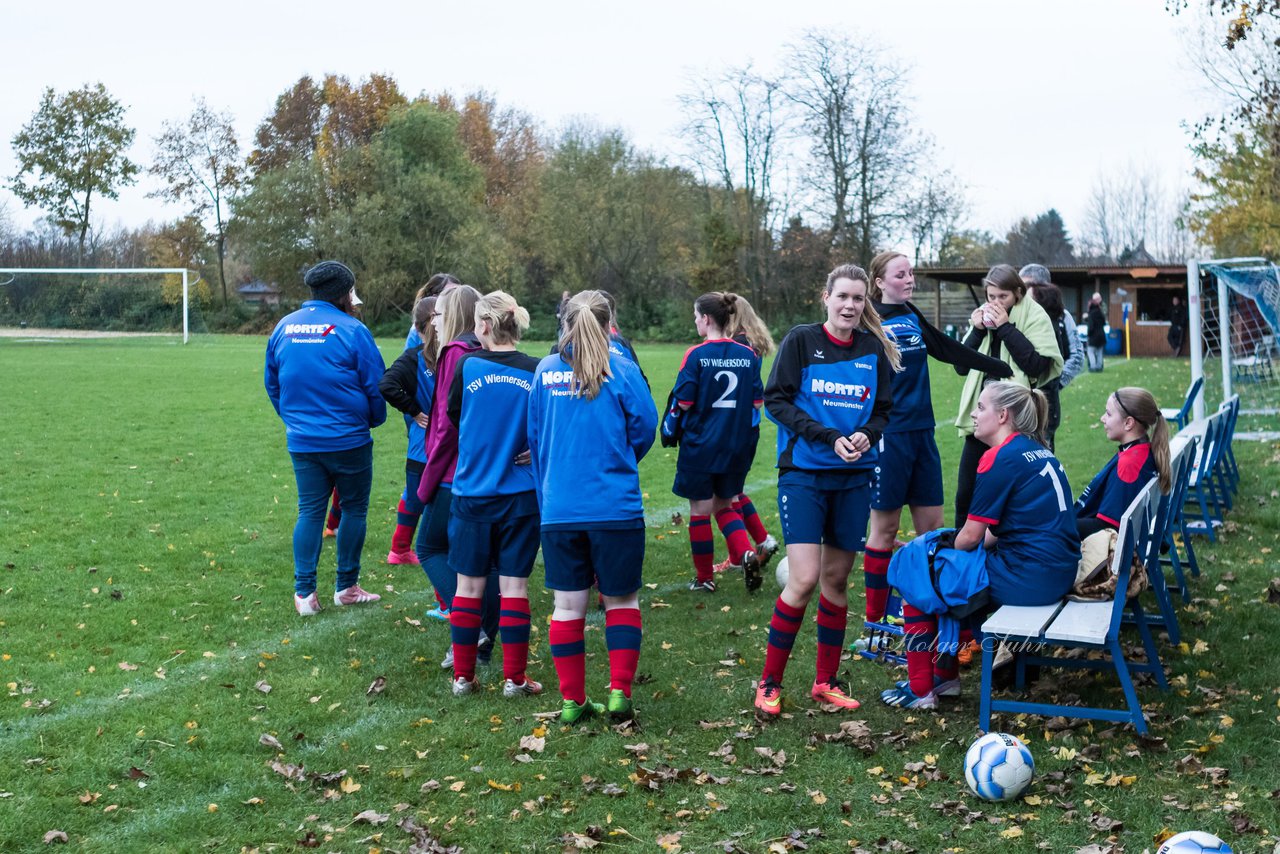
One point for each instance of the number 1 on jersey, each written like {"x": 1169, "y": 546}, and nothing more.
{"x": 1057, "y": 486}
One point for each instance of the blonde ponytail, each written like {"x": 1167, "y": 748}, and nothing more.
{"x": 507, "y": 320}
{"x": 585, "y": 345}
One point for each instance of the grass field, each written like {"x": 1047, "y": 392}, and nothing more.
{"x": 150, "y": 648}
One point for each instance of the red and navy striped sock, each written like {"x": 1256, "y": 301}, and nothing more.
{"x": 751, "y": 519}
{"x": 406, "y": 524}
{"x": 622, "y": 633}
{"x": 735, "y": 533}
{"x": 919, "y": 631}
{"x": 464, "y": 623}
{"x": 782, "y": 636}
{"x": 568, "y": 651}
{"x": 702, "y": 545}
{"x": 513, "y": 629}
{"x": 335, "y": 513}
{"x": 875, "y": 576}
{"x": 831, "y": 619}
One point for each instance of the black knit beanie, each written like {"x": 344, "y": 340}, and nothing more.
{"x": 329, "y": 281}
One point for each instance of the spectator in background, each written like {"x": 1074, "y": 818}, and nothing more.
{"x": 1036, "y": 277}
{"x": 560, "y": 312}
{"x": 1177, "y": 325}
{"x": 1096, "y": 337}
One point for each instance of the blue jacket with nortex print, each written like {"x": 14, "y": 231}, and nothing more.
{"x": 820, "y": 389}
{"x": 322, "y": 372}
{"x": 936, "y": 579}
{"x": 586, "y": 452}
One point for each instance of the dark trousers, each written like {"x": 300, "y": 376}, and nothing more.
{"x": 970, "y": 454}
{"x": 1053, "y": 394}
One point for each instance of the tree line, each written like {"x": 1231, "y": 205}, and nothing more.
{"x": 781, "y": 177}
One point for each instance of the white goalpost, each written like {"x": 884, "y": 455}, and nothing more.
{"x": 1238, "y": 328}
{"x": 107, "y": 271}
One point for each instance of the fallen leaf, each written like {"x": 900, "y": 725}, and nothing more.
{"x": 262, "y": 686}
{"x": 269, "y": 740}
{"x": 124, "y": 665}
{"x": 377, "y": 686}
{"x": 533, "y": 742}
{"x": 55, "y": 836}
{"x": 349, "y": 785}
{"x": 371, "y": 817}
{"x": 137, "y": 774}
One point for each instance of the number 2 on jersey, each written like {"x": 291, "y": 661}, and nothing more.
{"x": 724, "y": 401}
{"x": 1049, "y": 471}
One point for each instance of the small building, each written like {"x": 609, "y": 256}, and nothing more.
{"x": 259, "y": 292}
{"x": 947, "y": 295}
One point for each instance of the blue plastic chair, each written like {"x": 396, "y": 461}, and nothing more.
{"x": 1184, "y": 460}
{"x": 1203, "y": 485}
{"x": 1178, "y": 417}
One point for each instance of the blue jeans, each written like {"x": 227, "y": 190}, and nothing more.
{"x": 432, "y": 548}
{"x": 317, "y": 475}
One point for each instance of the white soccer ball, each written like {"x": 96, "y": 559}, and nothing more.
{"x": 1194, "y": 842}
{"x": 782, "y": 572}
{"x": 998, "y": 767}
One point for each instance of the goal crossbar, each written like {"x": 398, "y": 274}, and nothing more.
{"x": 78, "y": 271}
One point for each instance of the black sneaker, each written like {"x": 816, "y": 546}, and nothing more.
{"x": 484, "y": 651}
{"x": 751, "y": 572}
{"x": 708, "y": 586}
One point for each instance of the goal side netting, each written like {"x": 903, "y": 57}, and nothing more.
{"x": 1239, "y": 314}
{"x": 93, "y": 302}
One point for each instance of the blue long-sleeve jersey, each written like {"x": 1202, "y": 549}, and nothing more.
{"x": 586, "y": 452}
{"x": 820, "y": 389}
{"x": 322, "y": 372}
{"x": 489, "y": 401}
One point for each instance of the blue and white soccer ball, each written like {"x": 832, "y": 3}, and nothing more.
{"x": 1194, "y": 842}
{"x": 998, "y": 767}
{"x": 782, "y": 573}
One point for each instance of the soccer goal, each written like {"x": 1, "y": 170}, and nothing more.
{"x": 1233, "y": 337}
{"x": 102, "y": 300}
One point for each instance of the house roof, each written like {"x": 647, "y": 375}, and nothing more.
{"x": 1070, "y": 276}
{"x": 257, "y": 287}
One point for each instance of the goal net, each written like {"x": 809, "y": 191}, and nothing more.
{"x": 99, "y": 302}
{"x": 1240, "y": 313}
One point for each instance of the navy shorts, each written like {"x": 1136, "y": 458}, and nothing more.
{"x": 611, "y": 558}
{"x": 700, "y": 486}
{"x": 909, "y": 471}
{"x": 477, "y": 546}
{"x": 825, "y": 508}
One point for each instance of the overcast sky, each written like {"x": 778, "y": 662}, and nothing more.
{"x": 1027, "y": 99}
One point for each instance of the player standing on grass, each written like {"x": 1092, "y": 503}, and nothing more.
{"x": 746, "y": 327}
{"x": 717, "y": 394}
{"x": 591, "y": 421}
{"x": 909, "y": 466}
{"x": 322, "y": 371}
{"x": 830, "y": 395}
{"x": 495, "y": 508}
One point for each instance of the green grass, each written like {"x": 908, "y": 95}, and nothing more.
{"x": 146, "y": 511}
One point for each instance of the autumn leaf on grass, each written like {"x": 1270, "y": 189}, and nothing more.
{"x": 377, "y": 686}
{"x": 124, "y": 665}
{"x": 777, "y": 757}
{"x": 137, "y": 774}
{"x": 289, "y": 771}
{"x": 533, "y": 742}
{"x": 578, "y": 840}
{"x": 54, "y": 836}
{"x": 269, "y": 740}
{"x": 670, "y": 842}
{"x": 371, "y": 817}
{"x": 89, "y": 797}
{"x": 504, "y": 787}
{"x": 262, "y": 686}
{"x": 349, "y": 785}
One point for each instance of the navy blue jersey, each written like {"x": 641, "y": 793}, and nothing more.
{"x": 820, "y": 389}
{"x": 912, "y": 399}
{"x": 719, "y": 381}
{"x": 1022, "y": 494}
{"x": 489, "y": 401}
{"x": 586, "y": 452}
{"x": 1113, "y": 489}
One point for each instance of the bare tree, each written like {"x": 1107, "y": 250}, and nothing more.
{"x": 200, "y": 163}
{"x": 734, "y": 127}
{"x": 853, "y": 109}
{"x": 933, "y": 212}
{"x": 1132, "y": 207}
